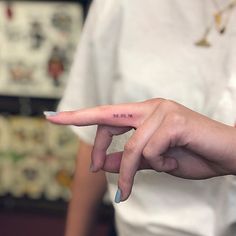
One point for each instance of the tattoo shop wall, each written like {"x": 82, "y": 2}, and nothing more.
{"x": 37, "y": 41}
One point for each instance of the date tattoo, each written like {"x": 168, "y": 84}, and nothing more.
{"x": 122, "y": 115}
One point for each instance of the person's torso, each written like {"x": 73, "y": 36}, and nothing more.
{"x": 155, "y": 55}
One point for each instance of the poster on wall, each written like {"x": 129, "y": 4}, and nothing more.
{"x": 37, "y": 45}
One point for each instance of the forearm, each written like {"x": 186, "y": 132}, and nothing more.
{"x": 87, "y": 192}
{"x": 215, "y": 141}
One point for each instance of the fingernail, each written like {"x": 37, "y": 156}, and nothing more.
{"x": 91, "y": 168}
{"x": 118, "y": 196}
{"x": 50, "y": 113}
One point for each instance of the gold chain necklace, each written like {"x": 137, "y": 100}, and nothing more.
{"x": 217, "y": 22}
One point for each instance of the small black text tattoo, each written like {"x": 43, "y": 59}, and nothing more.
{"x": 123, "y": 115}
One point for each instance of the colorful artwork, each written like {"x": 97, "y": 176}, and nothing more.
{"x": 37, "y": 158}
{"x": 37, "y": 43}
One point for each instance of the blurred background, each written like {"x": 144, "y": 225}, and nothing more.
{"x": 37, "y": 43}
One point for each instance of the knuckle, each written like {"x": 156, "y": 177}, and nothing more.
{"x": 150, "y": 106}
{"x": 175, "y": 119}
{"x": 174, "y": 123}
{"x": 168, "y": 105}
{"x": 148, "y": 152}
{"x": 155, "y": 102}
{"x": 130, "y": 147}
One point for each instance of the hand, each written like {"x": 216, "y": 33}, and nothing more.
{"x": 168, "y": 137}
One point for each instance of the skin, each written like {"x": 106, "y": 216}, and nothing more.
{"x": 168, "y": 137}
{"x": 88, "y": 190}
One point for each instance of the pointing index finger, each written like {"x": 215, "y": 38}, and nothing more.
{"x": 115, "y": 115}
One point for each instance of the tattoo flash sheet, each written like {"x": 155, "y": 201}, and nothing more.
{"x": 37, "y": 43}
{"x": 31, "y": 163}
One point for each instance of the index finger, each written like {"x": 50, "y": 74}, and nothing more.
{"x": 129, "y": 114}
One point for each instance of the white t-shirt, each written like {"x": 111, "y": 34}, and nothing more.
{"x": 133, "y": 50}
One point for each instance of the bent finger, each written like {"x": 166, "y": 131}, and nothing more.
{"x": 167, "y": 135}
{"x": 102, "y": 141}
{"x": 133, "y": 150}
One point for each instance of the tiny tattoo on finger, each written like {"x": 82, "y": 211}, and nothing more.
{"x": 122, "y": 115}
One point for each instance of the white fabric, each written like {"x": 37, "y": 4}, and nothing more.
{"x": 133, "y": 50}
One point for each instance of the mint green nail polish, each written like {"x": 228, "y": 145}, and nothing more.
{"x": 118, "y": 196}
{"x": 50, "y": 113}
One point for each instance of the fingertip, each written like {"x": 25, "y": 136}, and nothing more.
{"x": 96, "y": 166}
{"x": 125, "y": 189}
{"x": 118, "y": 196}
{"x": 98, "y": 161}
{"x": 92, "y": 168}
{"x": 171, "y": 164}
{"x": 49, "y": 114}
{"x": 166, "y": 164}
{"x": 121, "y": 196}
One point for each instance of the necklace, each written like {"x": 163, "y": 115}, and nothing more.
{"x": 220, "y": 21}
